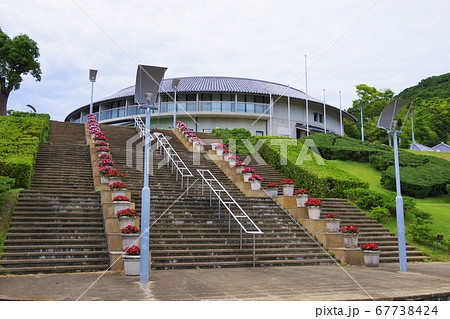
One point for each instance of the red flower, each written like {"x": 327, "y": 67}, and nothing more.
{"x": 121, "y": 198}
{"x": 313, "y": 202}
{"x": 370, "y": 246}
{"x": 127, "y": 212}
{"x": 130, "y": 230}
{"x": 350, "y": 229}
{"x": 255, "y": 177}
{"x": 333, "y": 216}
{"x": 118, "y": 185}
{"x": 287, "y": 182}
{"x": 240, "y": 163}
{"x": 301, "y": 191}
{"x": 133, "y": 250}
{"x": 272, "y": 184}
{"x": 248, "y": 170}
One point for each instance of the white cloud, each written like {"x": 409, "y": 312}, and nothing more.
{"x": 394, "y": 45}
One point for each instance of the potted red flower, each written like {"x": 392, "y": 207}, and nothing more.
{"x": 288, "y": 187}
{"x": 371, "y": 253}
{"x": 314, "y": 207}
{"x": 114, "y": 175}
{"x": 232, "y": 160}
{"x": 104, "y": 156}
{"x": 120, "y": 203}
{"x": 214, "y": 144}
{"x": 247, "y": 172}
{"x": 333, "y": 221}
{"x": 130, "y": 236}
{"x": 350, "y": 236}
{"x": 131, "y": 261}
{"x": 255, "y": 181}
{"x": 101, "y": 143}
{"x": 272, "y": 189}
{"x": 199, "y": 145}
{"x": 118, "y": 188}
{"x": 240, "y": 165}
{"x": 106, "y": 162}
{"x": 126, "y": 217}
{"x": 301, "y": 196}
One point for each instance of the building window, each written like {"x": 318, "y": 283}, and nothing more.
{"x": 318, "y": 117}
{"x": 207, "y": 130}
{"x": 259, "y": 133}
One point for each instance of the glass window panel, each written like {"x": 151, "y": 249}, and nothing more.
{"x": 241, "y": 98}
{"x": 215, "y": 97}
{"x": 250, "y": 108}
{"x": 241, "y": 107}
{"x": 227, "y": 97}
{"x": 249, "y": 98}
{"x": 206, "y": 97}
{"x": 227, "y": 107}
{"x": 181, "y": 97}
{"x": 191, "y": 97}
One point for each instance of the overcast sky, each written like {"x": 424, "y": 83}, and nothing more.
{"x": 386, "y": 44}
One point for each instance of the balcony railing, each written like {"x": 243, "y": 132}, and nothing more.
{"x": 182, "y": 107}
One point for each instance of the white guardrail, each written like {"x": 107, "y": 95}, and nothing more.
{"x": 233, "y": 208}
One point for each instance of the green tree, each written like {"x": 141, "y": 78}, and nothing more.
{"x": 18, "y": 56}
{"x": 373, "y": 102}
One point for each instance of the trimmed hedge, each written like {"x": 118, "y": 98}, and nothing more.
{"x": 6, "y": 184}
{"x": 20, "y": 136}
{"x": 237, "y": 134}
{"x": 421, "y": 176}
{"x": 321, "y": 180}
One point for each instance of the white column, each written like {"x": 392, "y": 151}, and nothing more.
{"x": 324, "y": 114}
{"x": 340, "y": 114}
{"x": 307, "y": 107}
{"x": 271, "y": 116}
{"x": 289, "y": 116}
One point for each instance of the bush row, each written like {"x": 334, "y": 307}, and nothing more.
{"x": 237, "y": 134}
{"x": 20, "y": 136}
{"x": 6, "y": 184}
{"x": 421, "y": 176}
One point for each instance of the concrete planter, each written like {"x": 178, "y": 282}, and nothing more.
{"x": 125, "y": 221}
{"x": 213, "y": 146}
{"x": 199, "y": 148}
{"x": 239, "y": 170}
{"x": 110, "y": 180}
{"x": 131, "y": 265}
{"x": 232, "y": 162}
{"x": 314, "y": 212}
{"x": 288, "y": 190}
{"x": 118, "y": 192}
{"x": 219, "y": 151}
{"x": 350, "y": 240}
{"x": 301, "y": 199}
{"x": 371, "y": 258}
{"x": 247, "y": 176}
{"x": 129, "y": 240}
{"x": 226, "y": 157}
{"x": 272, "y": 191}
{"x": 333, "y": 225}
{"x": 120, "y": 205}
{"x": 256, "y": 185}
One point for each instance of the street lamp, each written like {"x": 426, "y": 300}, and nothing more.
{"x": 92, "y": 77}
{"x": 362, "y": 120}
{"x": 175, "y": 83}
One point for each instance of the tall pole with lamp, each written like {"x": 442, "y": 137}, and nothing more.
{"x": 175, "y": 83}
{"x": 92, "y": 78}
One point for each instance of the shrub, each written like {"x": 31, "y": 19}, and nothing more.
{"x": 237, "y": 134}
{"x": 379, "y": 213}
{"x": 6, "y": 184}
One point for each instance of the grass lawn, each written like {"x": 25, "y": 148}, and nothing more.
{"x": 438, "y": 207}
{"x": 436, "y": 154}
{"x": 6, "y": 213}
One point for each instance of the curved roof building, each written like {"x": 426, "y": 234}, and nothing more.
{"x": 204, "y": 103}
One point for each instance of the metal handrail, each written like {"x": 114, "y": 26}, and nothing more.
{"x": 139, "y": 124}
{"x": 174, "y": 158}
{"x": 228, "y": 201}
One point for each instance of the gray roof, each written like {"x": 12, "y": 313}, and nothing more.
{"x": 420, "y": 147}
{"x": 442, "y": 147}
{"x": 220, "y": 84}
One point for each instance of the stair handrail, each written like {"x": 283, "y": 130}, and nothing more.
{"x": 218, "y": 190}
{"x": 139, "y": 124}
{"x": 173, "y": 158}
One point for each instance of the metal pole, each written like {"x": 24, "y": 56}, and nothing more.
{"x": 175, "y": 110}
{"x": 289, "y": 115}
{"x": 324, "y": 114}
{"x": 91, "y": 108}
{"x": 145, "y": 212}
{"x": 412, "y": 128}
{"x": 340, "y": 114}
{"x": 307, "y": 108}
{"x": 399, "y": 211}
{"x": 362, "y": 124}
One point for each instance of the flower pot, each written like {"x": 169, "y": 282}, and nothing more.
{"x": 92, "y": 136}
{"x": 239, "y": 170}
{"x": 219, "y": 151}
{"x": 190, "y": 138}
{"x": 119, "y": 206}
{"x": 247, "y": 176}
{"x": 102, "y": 153}
{"x": 129, "y": 240}
{"x": 226, "y": 157}
{"x": 117, "y": 192}
{"x": 272, "y": 191}
{"x": 350, "y": 240}
{"x": 314, "y": 212}
{"x": 199, "y": 148}
{"x": 288, "y": 190}
{"x": 232, "y": 163}
{"x": 333, "y": 225}
{"x": 213, "y": 146}
{"x": 113, "y": 180}
{"x": 372, "y": 258}
{"x": 256, "y": 185}
{"x": 125, "y": 221}
{"x": 132, "y": 265}
{"x": 104, "y": 180}
{"x": 301, "y": 199}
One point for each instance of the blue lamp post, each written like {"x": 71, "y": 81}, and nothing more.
{"x": 145, "y": 210}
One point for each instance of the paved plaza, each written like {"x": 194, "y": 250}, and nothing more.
{"x": 422, "y": 281}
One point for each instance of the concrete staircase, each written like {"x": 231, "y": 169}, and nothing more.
{"x": 188, "y": 232}
{"x": 57, "y": 225}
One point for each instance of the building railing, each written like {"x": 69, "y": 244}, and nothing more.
{"x": 233, "y": 208}
{"x": 173, "y": 159}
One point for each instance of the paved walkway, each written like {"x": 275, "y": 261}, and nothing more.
{"x": 423, "y": 281}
